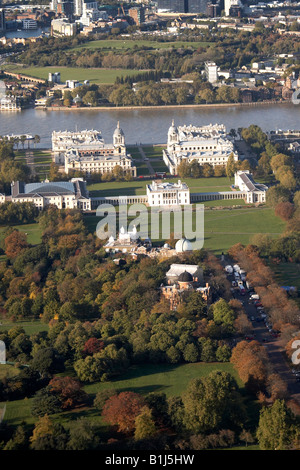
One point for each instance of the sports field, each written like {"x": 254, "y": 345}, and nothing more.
{"x": 128, "y": 44}
{"x": 94, "y": 75}
{"x": 132, "y": 188}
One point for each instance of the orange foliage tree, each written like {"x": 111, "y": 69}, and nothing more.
{"x": 121, "y": 410}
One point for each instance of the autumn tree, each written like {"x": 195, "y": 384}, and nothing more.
{"x": 251, "y": 362}
{"x": 15, "y": 243}
{"x": 284, "y": 210}
{"x": 69, "y": 391}
{"x": 122, "y": 410}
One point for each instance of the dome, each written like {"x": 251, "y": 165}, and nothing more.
{"x": 77, "y": 99}
{"x": 185, "y": 277}
{"x": 118, "y": 131}
{"x": 183, "y": 245}
{"x": 172, "y": 128}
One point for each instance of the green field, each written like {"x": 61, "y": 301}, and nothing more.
{"x": 287, "y": 274}
{"x": 30, "y": 327}
{"x": 33, "y": 231}
{"x": 94, "y": 75}
{"x": 224, "y": 228}
{"x": 107, "y": 45}
{"x": 169, "y": 379}
{"x": 139, "y": 187}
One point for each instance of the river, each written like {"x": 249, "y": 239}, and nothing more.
{"x": 146, "y": 125}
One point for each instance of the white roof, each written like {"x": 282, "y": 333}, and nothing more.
{"x": 176, "y": 269}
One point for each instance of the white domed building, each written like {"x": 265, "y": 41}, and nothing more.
{"x": 183, "y": 246}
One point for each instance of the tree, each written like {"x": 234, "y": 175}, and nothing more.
{"x": 19, "y": 441}
{"x": 251, "y": 361}
{"x": 121, "y": 410}
{"x": 36, "y": 140}
{"x": 246, "y": 437}
{"x": 68, "y": 390}
{"x": 284, "y": 210}
{"x": 15, "y": 243}
{"x": 47, "y": 361}
{"x": 277, "y": 194}
{"x": 144, "y": 425}
{"x": 82, "y": 435}
{"x": 184, "y": 169}
{"x": 231, "y": 166}
{"x": 212, "y": 403}
{"x": 277, "y": 428}
{"x": 45, "y": 403}
{"x": 48, "y": 435}
{"x": 92, "y": 346}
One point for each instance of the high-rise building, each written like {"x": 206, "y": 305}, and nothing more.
{"x": 211, "y": 72}
{"x": 197, "y": 6}
{"x": 176, "y": 6}
{"x": 78, "y": 7}
{"x": 137, "y": 14}
{"x": 233, "y": 7}
{"x": 2, "y": 19}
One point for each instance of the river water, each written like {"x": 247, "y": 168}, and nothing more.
{"x": 146, "y": 125}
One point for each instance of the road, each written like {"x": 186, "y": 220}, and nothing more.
{"x": 273, "y": 345}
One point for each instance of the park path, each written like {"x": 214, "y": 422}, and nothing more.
{"x": 30, "y": 161}
{"x": 146, "y": 160}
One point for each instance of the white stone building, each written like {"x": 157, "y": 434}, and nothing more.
{"x": 63, "y": 194}
{"x": 254, "y": 192}
{"x": 211, "y": 72}
{"x": 206, "y": 144}
{"x": 168, "y": 194}
{"x": 87, "y": 152}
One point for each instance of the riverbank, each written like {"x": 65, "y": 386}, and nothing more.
{"x": 169, "y": 106}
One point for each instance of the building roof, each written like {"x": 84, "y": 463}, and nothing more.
{"x": 177, "y": 269}
{"x": 185, "y": 277}
{"x": 183, "y": 245}
{"x": 59, "y": 187}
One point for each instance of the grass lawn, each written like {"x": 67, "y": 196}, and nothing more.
{"x": 123, "y": 188}
{"x": 286, "y": 274}
{"x": 169, "y": 379}
{"x": 44, "y": 159}
{"x": 122, "y": 45}
{"x": 143, "y": 379}
{"x": 154, "y": 151}
{"x": 30, "y": 327}
{"x": 224, "y": 228}
{"x": 141, "y": 168}
{"x": 34, "y": 234}
{"x": 94, "y": 75}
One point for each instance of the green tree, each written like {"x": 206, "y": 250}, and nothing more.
{"x": 231, "y": 166}
{"x": 212, "y": 403}
{"x": 277, "y": 428}
{"x": 144, "y": 425}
